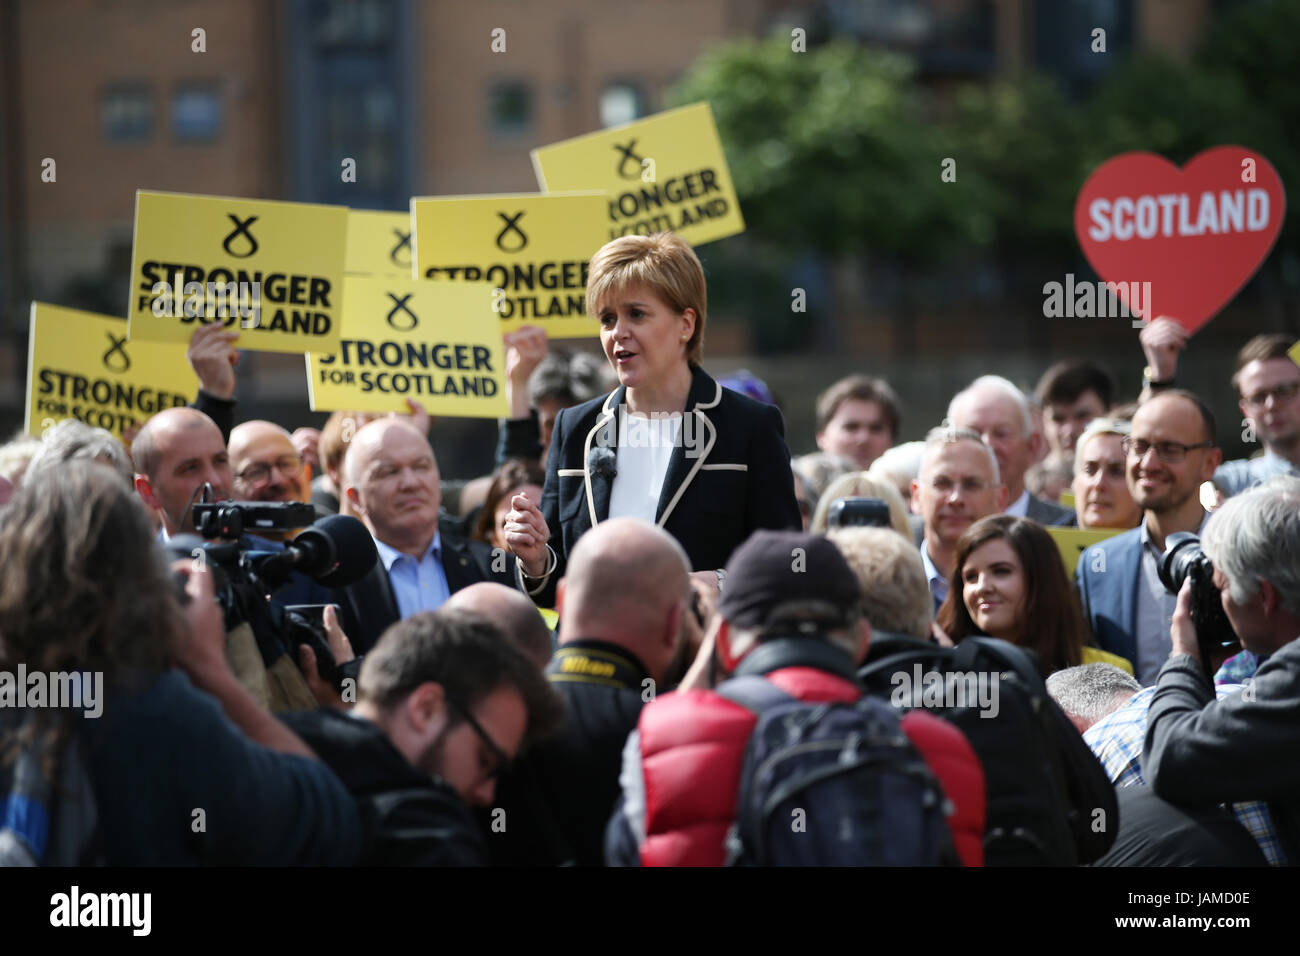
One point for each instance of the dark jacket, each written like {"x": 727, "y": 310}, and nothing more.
{"x": 558, "y": 796}
{"x": 163, "y": 751}
{"x": 1199, "y": 750}
{"x": 369, "y": 606}
{"x": 1154, "y": 832}
{"x": 407, "y": 817}
{"x": 736, "y": 480}
{"x": 1048, "y": 514}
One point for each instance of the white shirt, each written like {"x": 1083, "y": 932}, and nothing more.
{"x": 1020, "y": 507}
{"x": 645, "y": 446}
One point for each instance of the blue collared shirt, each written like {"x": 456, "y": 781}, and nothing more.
{"x": 1116, "y": 740}
{"x": 417, "y": 585}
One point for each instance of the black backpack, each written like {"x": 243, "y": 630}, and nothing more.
{"x": 831, "y": 784}
{"x": 1049, "y": 801}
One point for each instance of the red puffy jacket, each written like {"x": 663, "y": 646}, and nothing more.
{"x": 692, "y": 748}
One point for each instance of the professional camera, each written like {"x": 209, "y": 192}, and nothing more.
{"x": 334, "y": 551}
{"x": 230, "y": 519}
{"x": 1184, "y": 559}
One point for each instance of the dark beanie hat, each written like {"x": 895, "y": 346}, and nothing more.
{"x": 774, "y": 567}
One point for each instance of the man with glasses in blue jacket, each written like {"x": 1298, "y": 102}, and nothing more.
{"x": 1170, "y": 452}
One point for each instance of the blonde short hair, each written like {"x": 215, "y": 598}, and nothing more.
{"x": 665, "y": 263}
{"x": 895, "y": 594}
{"x": 862, "y": 484}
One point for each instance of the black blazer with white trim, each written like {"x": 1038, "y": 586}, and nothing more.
{"x": 732, "y": 479}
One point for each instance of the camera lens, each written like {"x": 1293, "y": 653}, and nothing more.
{"x": 1182, "y": 553}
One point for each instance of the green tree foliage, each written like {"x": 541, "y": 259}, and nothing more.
{"x": 829, "y": 149}
{"x": 839, "y": 150}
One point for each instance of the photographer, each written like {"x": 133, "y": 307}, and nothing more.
{"x": 1199, "y": 750}
{"x": 184, "y": 766}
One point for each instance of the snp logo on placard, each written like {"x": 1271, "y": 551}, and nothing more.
{"x": 533, "y": 250}
{"x": 399, "y": 305}
{"x": 504, "y": 243}
{"x": 626, "y": 155}
{"x": 665, "y": 172}
{"x": 276, "y": 268}
{"x": 82, "y": 366}
{"x": 116, "y": 359}
{"x": 403, "y": 262}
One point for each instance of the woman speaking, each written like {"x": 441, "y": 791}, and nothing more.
{"x": 669, "y": 445}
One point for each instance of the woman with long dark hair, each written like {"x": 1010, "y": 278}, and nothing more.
{"x": 1008, "y": 582}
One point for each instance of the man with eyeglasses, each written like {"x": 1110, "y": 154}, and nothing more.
{"x": 958, "y": 484}
{"x": 445, "y": 702}
{"x": 1170, "y": 451}
{"x": 266, "y": 467}
{"x": 1268, "y": 381}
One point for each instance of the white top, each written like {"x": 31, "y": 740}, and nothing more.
{"x": 645, "y": 446}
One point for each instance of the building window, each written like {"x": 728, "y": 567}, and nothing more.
{"x": 510, "y": 108}
{"x": 126, "y": 113}
{"x": 196, "y": 114}
{"x": 621, "y": 103}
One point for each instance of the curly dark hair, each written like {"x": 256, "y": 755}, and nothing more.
{"x": 83, "y": 586}
{"x": 1053, "y": 625}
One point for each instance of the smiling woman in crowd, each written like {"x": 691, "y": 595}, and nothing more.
{"x": 669, "y": 445}
{"x": 1008, "y": 582}
{"x": 1101, "y": 495}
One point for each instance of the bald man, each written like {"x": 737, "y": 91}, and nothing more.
{"x": 516, "y": 616}
{"x": 267, "y": 467}
{"x": 622, "y": 607}
{"x": 390, "y": 479}
{"x": 175, "y": 453}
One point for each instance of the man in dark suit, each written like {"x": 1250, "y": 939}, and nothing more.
{"x": 391, "y": 479}
{"x": 999, "y": 412}
{"x": 1169, "y": 453}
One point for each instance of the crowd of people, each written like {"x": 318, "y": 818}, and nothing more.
{"x": 630, "y": 642}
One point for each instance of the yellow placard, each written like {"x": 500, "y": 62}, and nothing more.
{"x": 532, "y": 249}
{"x": 1295, "y": 353}
{"x": 1072, "y": 542}
{"x": 1066, "y": 500}
{"x": 666, "y": 172}
{"x": 273, "y": 269}
{"x": 379, "y": 243}
{"x": 80, "y": 365}
{"x": 435, "y": 342}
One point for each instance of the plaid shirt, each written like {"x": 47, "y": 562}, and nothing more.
{"x": 1116, "y": 739}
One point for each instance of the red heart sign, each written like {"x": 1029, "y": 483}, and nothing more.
{"x": 1195, "y": 234}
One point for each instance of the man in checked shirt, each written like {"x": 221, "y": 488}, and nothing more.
{"x": 1110, "y": 709}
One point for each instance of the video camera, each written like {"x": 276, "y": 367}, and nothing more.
{"x": 1183, "y": 559}
{"x": 334, "y": 551}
